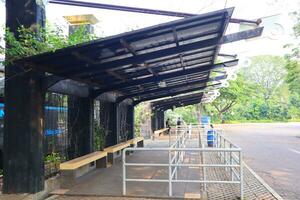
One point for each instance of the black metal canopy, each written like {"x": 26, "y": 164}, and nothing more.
{"x": 178, "y": 101}
{"x": 150, "y": 63}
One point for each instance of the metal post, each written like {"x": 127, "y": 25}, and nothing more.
{"x": 170, "y": 174}
{"x": 199, "y": 135}
{"x": 231, "y": 162}
{"x": 124, "y": 171}
{"x": 241, "y": 174}
{"x": 170, "y": 131}
{"x": 176, "y": 132}
{"x": 204, "y": 170}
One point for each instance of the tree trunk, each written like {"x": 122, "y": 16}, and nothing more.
{"x": 221, "y": 117}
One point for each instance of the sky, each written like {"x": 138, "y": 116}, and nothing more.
{"x": 274, "y": 13}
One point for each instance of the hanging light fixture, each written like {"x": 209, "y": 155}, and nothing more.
{"x": 162, "y": 84}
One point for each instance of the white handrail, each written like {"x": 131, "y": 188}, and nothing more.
{"x": 230, "y": 157}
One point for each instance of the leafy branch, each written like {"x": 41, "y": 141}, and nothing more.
{"x": 29, "y": 42}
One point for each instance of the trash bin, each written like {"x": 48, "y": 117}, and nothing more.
{"x": 210, "y": 138}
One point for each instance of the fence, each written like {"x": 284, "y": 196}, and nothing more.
{"x": 230, "y": 158}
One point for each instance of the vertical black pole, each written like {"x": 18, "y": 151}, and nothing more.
{"x": 24, "y": 110}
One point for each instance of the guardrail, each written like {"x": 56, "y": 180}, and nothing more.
{"x": 230, "y": 158}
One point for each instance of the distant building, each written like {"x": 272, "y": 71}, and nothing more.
{"x": 87, "y": 21}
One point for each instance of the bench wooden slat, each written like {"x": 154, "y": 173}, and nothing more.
{"x": 117, "y": 147}
{"x": 135, "y": 140}
{"x": 160, "y": 131}
{"x": 83, "y": 160}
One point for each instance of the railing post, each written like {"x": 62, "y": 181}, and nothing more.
{"x": 170, "y": 131}
{"x": 170, "y": 174}
{"x": 231, "y": 162}
{"x": 176, "y": 131}
{"x": 199, "y": 135}
{"x": 124, "y": 170}
{"x": 241, "y": 175}
{"x": 204, "y": 170}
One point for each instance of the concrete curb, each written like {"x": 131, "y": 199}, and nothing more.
{"x": 271, "y": 190}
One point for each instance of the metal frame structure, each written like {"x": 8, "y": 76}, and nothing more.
{"x": 230, "y": 157}
{"x": 180, "y": 54}
{"x": 138, "y": 10}
{"x": 160, "y": 61}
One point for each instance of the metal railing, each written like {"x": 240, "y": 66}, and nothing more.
{"x": 230, "y": 158}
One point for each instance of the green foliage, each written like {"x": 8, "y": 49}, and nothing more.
{"x": 29, "y": 41}
{"x": 267, "y": 72}
{"x": 53, "y": 158}
{"x": 142, "y": 115}
{"x": 237, "y": 92}
{"x": 257, "y": 95}
{"x": 187, "y": 113}
{"x": 293, "y": 58}
{"x": 293, "y": 75}
{"x": 99, "y": 137}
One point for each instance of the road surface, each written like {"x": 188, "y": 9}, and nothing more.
{"x": 273, "y": 151}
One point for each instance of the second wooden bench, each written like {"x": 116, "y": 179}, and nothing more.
{"x": 77, "y": 167}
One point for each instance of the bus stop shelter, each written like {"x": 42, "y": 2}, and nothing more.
{"x": 158, "y": 62}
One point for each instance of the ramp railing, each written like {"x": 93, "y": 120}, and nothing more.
{"x": 229, "y": 159}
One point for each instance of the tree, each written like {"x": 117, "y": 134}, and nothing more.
{"x": 267, "y": 72}
{"x": 292, "y": 59}
{"x": 229, "y": 97}
{"x": 187, "y": 113}
{"x": 31, "y": 42}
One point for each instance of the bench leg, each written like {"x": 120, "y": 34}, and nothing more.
{"x": 140, "y": 143}
{"x": 110, "y": 158}
{"x": 101, "y": 163}
{"x": 67, "y": 178}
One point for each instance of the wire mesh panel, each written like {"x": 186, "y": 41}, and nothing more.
{"x": 123, "y": 125}
{"x": 55, "y": 129}
{"x": 107, "y": 118}
{"x": 55, "y": 132}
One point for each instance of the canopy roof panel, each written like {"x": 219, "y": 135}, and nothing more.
{"x": 150, "y": 63}
{"x": 179, "y": 101}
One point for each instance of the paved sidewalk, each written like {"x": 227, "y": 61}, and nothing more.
{"x": 108, "y": 182}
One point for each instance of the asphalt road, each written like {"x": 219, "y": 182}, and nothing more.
{"x": 273, "y": 151}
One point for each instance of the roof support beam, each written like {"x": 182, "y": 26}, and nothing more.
{"x": 134, "y": 53}
{"x": 165, "y": 76}
{"x": 186, "y": 90}
{"x": 190, "y": 84}
{"x": 165, "y": 64}
{"x": 70, "y": 87}
{"x": 143, "y": 57}
{"x": 171, "y": 51}
{"x": 128, "y": 47}
{"x": 82, "y": 57}
{"x": 233, "y": 56}
{"x": 179, "y": 105}
{"x": 181, "y": 99}
{"x": 242, "y": 35}
{"x": 141, "y": 10}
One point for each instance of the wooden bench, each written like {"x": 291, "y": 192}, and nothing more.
{"x": 138, "y": 141}
{"x": 77, "y": 167}
{"x": 160, "y": 131}
{"x": 114, "y": 151}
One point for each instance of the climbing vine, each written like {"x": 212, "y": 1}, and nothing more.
{"x": 99, "y": 137}
{"x": 33, "y": 41}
